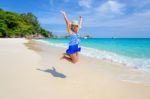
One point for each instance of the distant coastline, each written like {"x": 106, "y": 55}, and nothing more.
{"x": 16, "y": 25}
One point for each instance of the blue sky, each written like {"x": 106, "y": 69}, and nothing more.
{"x": 102, "y": 18}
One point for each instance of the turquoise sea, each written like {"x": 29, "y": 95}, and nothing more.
{"x": 134, "y": 52}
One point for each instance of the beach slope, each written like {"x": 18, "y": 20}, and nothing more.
{"x": 30, "y": 70}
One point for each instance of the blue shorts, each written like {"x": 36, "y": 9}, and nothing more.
{"x": 73, "y": 49}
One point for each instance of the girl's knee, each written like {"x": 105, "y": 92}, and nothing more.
{"x": 75, "y": 60}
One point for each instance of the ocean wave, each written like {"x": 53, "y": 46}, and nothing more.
{"x": 136, "y": 63}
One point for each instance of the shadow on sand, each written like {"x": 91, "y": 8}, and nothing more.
{"x": 53, "y": 72}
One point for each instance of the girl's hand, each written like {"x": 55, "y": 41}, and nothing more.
{"x": 63, "y": 12}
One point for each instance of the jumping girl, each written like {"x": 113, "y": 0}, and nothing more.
{"x": 73, "y": 29}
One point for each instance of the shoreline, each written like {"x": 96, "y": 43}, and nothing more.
{"x": 136, "y": 63}
{"x": 111, "y": 68}
{"x": 37, "y": 72}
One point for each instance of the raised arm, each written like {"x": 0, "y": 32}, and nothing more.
{"x": 80, "y": 21}
{"x": 67, "y": 21}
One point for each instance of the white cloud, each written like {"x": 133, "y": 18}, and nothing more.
{"x": 85, "y": 3}
{"x": 111, "y": 7}
{"x": 138, "y": 20}
{"x": 101, "y": 16}
{"x": 138, "y": 3}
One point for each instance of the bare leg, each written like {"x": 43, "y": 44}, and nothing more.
{"x": 74, "y": 58}
{"x": 77, "y": 54}
{"x": 71, "y": 58}
{"x": 67, "y": 58}
{"x": 65, "y": 54}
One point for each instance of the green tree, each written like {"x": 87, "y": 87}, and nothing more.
{"x": 20, "y": 25}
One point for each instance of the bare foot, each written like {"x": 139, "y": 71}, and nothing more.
{"x": 64, "y": 56}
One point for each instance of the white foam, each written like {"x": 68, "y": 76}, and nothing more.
{"x": 136, "y": 63}
{"x": 54, "y": 44}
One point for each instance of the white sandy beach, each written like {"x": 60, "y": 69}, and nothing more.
{"x": 35, "y": 71}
